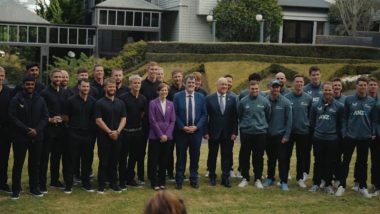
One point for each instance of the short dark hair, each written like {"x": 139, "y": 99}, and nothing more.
{"x": 97, "y": 65}
{"x": 361, "y": 79}
{"x": 313, "y": 68}
{"x": 373, "y": 79}
{"x": 336, "y": 79}
{"x": 82, "y": 70}
{"x": 83, "y": 80}
{"x": 176, "y": 71}
{"x": 162, "y": 85}
{"x": 28, "y": 78}
{"x": 298, "y": 75}
{"x": 32, "y": 64}
{"x": 253, "y": 82}
{"x": 327, "y": 83}
{"x": 189, "y": 76}
{"x": 228, "y": 76}
{"x": 254, "y": 76}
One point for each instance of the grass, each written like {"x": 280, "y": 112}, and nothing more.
{"x": 206, "y": 199}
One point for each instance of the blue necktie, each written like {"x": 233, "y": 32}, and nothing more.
{"x": 190, "y": 112}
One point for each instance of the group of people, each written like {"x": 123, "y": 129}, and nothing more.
{"x": 63, "y": 124}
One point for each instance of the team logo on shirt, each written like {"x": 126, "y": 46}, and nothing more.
{"x": 367, "y": 106}
{"x": 319, "y": 108}
{"x": 246, "y": 107}
{"x": 279, "y": 108}
{"x": 354, "y": 104}
{"x": 315, "y": 99}
{"x": 260, "y": 106}
{"x": 324, "y": 117}
{"x": 309, "y": 92}
{"x": 304, "y": 104}
{"x": 332, "y": 110}
{"x": 21, "y": 106}
{"x": 359, "y": 113}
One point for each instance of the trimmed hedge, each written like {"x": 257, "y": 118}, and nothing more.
{"x": 315, "y": 51}
{"x": 189, "y": 57}
{"x": 355, "y": 70}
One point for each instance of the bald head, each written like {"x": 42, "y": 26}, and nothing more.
{"x": 281, "y": 77}
{"x": 222, "y": 85}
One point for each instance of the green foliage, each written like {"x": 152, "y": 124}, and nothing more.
{"x": 133, "y": 54}
{"x": 355, "y": 70}
{"x": 14, "y": 67}
{"x": 236, "y": 20}
{"x": 62, "y": 11}
{"x": 314, "y": 51}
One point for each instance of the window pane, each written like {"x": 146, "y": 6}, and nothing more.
{"x": 103, "y": 17}
{"x": 146, "y": 20}
{"x": 111, "y": 17}
{"x": 73, "y": 36}
{"x": 120, "y": 18}
{"x": 33, "y": 34}
{"x": 23, "y": 33}
{"x": 90, "y": 39}
{"x": 129, "y": 18}
{"x": 63, "y": 36}
{"x": 53, "y": 35}
{"x": 13, "y": 33}
{"x": 155, "y": 19}
{"x": 138, "y": 16}
{"x": 41, "y": 34}
{"x": 3, "y": 33}
{"x": 82, "y": 36}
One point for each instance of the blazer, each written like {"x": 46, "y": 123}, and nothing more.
{"x": 218, "y": 123}
{"x": 160, "y": 123}
{"x": 200, "y": 111}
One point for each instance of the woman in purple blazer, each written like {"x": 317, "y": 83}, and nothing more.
{"x": 162, "y": 121}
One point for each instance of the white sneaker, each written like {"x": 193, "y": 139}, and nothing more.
{"x": 329, "y": 190}
{"x": 239, "y": 175}
{"x": 243, "y": 183}
{"x": 364, "y": 192}
{"x": 323, "y": 184}
{"x": 340, "y": 191}
{"x": 305, "y": 176}
{"x": 336, "y": 184}
{"x": 355, "y": 187}
{"x": 207, "y": 174}
{"x": 301, "y": 183}
{"x": 232, "y": 174}
{"x": 314, "y": 188}
{"x": 376, "y": 193}
{"x": 258, "y": 184}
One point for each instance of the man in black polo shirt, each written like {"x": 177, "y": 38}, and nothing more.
{"x": 28, "y": 116}
{"x": 117, "y": 75}
{"x": 5, "y": 139}
{"x": 133, "y": 144}
{"x": 79, "y": 115}
{"x": 110, "y": 117}
{"x": 98, "y": 80}
{"x": 54, "y": 142}
{"x": 33, "y": 70}
{"x": 149, "y": 90}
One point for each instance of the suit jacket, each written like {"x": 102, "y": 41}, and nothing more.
{"x": 200, "y": 111}
{"x": 160, "y": 123}
{"x": 218, "y": 123}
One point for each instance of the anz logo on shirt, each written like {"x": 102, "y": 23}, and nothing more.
{"x": 304, "y": 104}
{"x": 260, "y": 106}
{"x": 279, "y": 108}
{"x": 359, "y": 113}
{"x": 315, "y": 99}
{"x": 324, "y": 117}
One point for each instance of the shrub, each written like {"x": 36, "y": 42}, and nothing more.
{"x": 355, "y": 70}
{"x": 14, "y": 68}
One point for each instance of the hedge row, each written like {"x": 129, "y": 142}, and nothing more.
{"x": 315, "y": 51}
{"x": 355, "y": 70}
{"x": 189, "y": 57}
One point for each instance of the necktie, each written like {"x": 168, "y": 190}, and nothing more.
{"x": 190, "y": 111}
{"x": 221, "y": 103}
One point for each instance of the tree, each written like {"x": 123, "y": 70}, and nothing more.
{"x": 62, "y": 11}
{"x": 236, "y": 19}
{"x": 353, "y": 15}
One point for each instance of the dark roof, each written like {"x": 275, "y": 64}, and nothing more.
{"x": 305, "y": 3}
{"x": 11, "y": 11}
{"x": 129, "y": 4}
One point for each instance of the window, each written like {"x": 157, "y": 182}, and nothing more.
{"x": 41, "y": 34}
{"x": 63, "y": 36}
{"x": 23, "y": 33}
{"x": 13, "y": 33}
{"x": 73, "y": 33}
{"x": 146, "y": 20}
{"x": 90, "y": 38}
{"x": 3, "y": 33}
{"x": 32, "y": 34}
{"x": 103, "y": 17}
{"x": 120, "y": 18}
{"x": 82, "y": 36}
{"x": 138, "y": 17}
{"x": 129, "y": 18}
{"x": 155, "y": 19}
{"x": 111, "y": 17}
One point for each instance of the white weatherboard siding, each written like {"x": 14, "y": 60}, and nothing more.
{"x": 169, "y": 4}
{"x": 304, "y": 16}
{"x": 205, "y": 6}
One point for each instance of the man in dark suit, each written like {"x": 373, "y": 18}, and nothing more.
{"x": 191, "y": 116}
{"x": 221, "y": 129}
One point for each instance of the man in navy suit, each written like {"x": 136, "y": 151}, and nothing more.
{"x": 221, "y": 129}
{"x": 191, "y": 116}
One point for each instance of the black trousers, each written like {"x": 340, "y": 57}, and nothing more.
{"x": 124, "y": 152}
{"x": 226, "y": 145}
{"x": 5, "y": 147}
{"x": 171, "y": 167}
{"x": 325, "y": 152}
{"x": 375, "y": 162}
{"x": 362, "y": 147}
{"x": 255, "y": 145}
{"x": 277, "y": 151}
{"x": 79, "y": 148}
{"x": 303, "y": 150}
{"x": 34, "y": 155}
{"x": 136, "y": 152}
{"x": 158, "y": 156}
{"x": 53, "y": 149}
{"x": 108, "y": 153}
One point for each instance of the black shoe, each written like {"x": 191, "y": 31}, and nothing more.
{"x": 100, "y": 190}
{"x": 5, "y": 188}
{"x": 115, "y": 188}
{"x": 178, "y": 186}
{"x": 57, "y": 184}
{"x": 123, "y": 187}
{"x": 226, "y": 183}
{"x": 212, "y": 181}
{"x": 133, "y": 183}
{"x": 68, "y": 190}
{"x": 88, "y": 188}
{"x": 36, "y": 193}
{"x": 15, "y": 195}
{"x": 194, "y": 185}
{"x": 43, "y": 189}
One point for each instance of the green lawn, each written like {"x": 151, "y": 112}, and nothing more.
{"x": 206, "y": 199}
